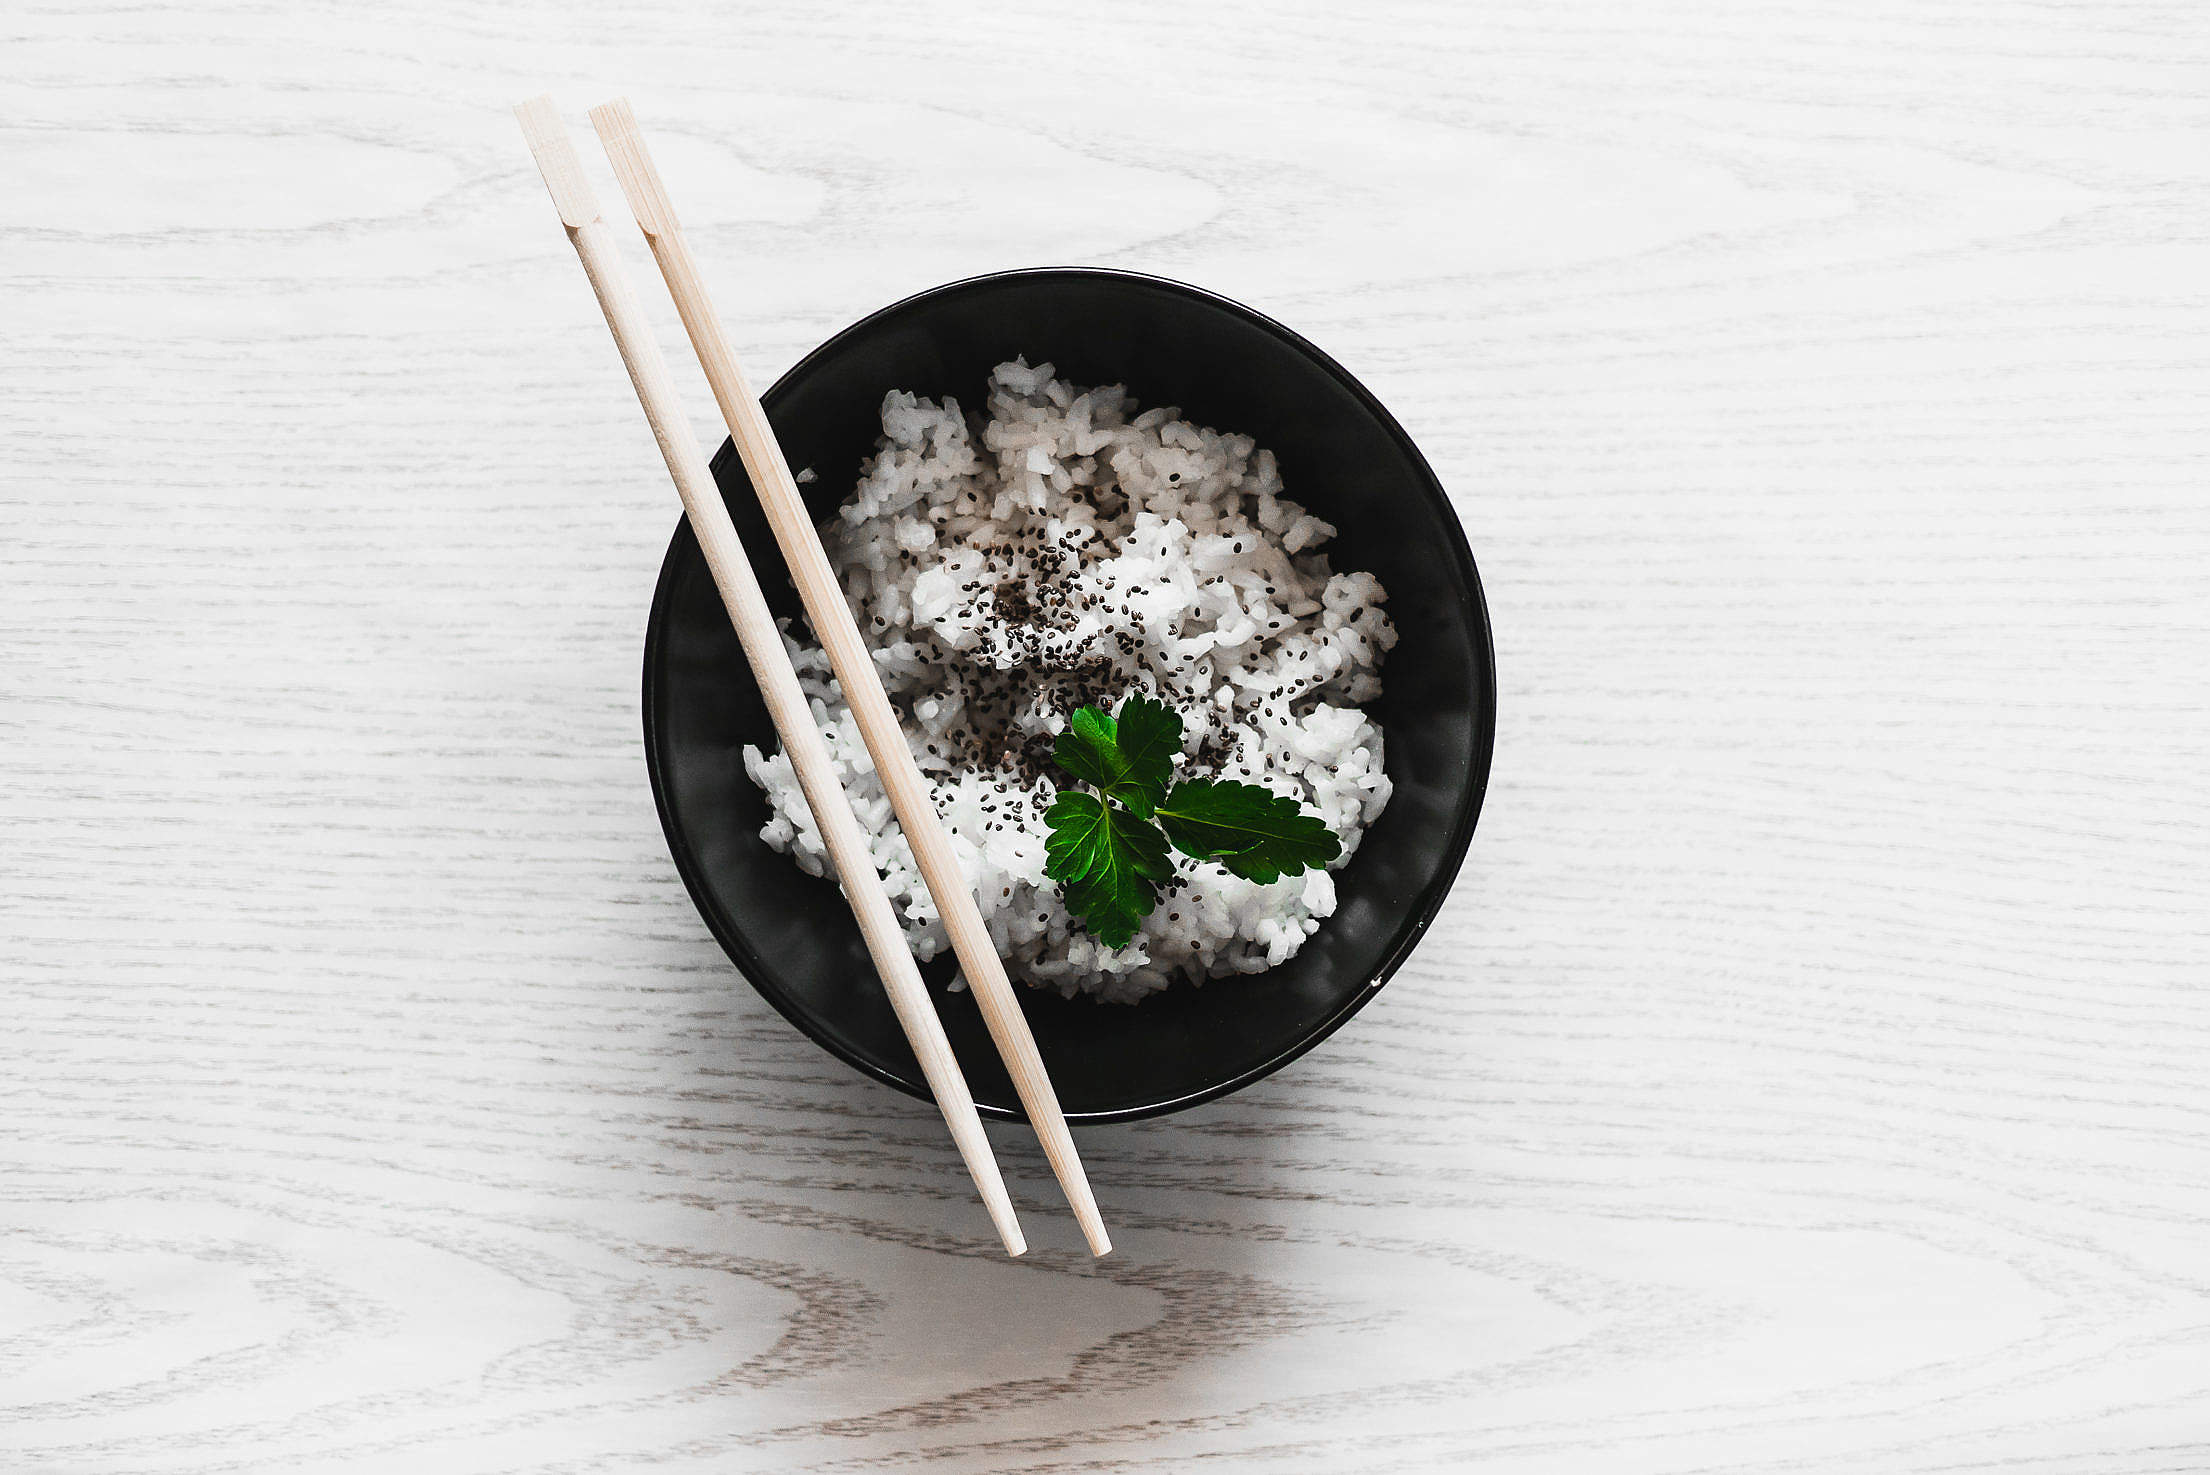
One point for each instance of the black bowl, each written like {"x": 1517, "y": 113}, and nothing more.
{"x": 1341, "y": 455}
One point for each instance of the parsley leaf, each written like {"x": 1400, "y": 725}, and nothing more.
{"x": 1106, "y": 861}
{"x": 1150, "y": 737}
{"x": 1130, "y": 758}
{"x": 1108, "y": 850}
{"x": 1254, "y": 833}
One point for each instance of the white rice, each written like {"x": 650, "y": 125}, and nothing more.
{"x": 1070, "y": 550}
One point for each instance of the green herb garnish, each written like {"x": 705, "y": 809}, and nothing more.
{"x": 1108, "y": 850}
{"x": 1252, "y": 831}
{"x": 1107, "y": 863}
{"x": 1129, "y": 757}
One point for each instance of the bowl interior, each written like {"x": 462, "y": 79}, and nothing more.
{"x": 1341, "y": 455}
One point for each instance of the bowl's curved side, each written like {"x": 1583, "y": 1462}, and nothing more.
{"x": 851, "y": 1021}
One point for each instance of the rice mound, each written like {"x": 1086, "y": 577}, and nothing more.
{"x": 1064, "y": 550}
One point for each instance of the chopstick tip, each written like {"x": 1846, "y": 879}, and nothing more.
{"x": 536, "y": 112}
{"x": 616, "y": 123}
{"x": 556, "y": 159}
{"x": 999, "y": 1207}
{"x": 615, "y": 111}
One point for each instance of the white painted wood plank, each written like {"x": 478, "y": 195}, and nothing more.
{"x": 1806, "y": 1074}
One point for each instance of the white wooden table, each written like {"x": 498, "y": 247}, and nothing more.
{"x": 1811, "y": 1071}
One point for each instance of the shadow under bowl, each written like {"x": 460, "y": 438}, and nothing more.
{"x": 1342, "y": 455}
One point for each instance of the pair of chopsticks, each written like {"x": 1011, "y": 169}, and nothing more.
{"x": 832, "y": 622}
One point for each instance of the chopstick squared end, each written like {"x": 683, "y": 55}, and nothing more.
{"x": 557, "y": 161}
{"x": 616, "y": 122}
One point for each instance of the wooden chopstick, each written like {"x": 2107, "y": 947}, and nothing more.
{"x": 848, "y": 657}
{"x": 763, "y": 649}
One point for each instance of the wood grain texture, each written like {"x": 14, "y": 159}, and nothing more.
{"x": 1807, "y": 1074}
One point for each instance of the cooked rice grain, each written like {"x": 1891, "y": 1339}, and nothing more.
{"x": 1069, "y": 549}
